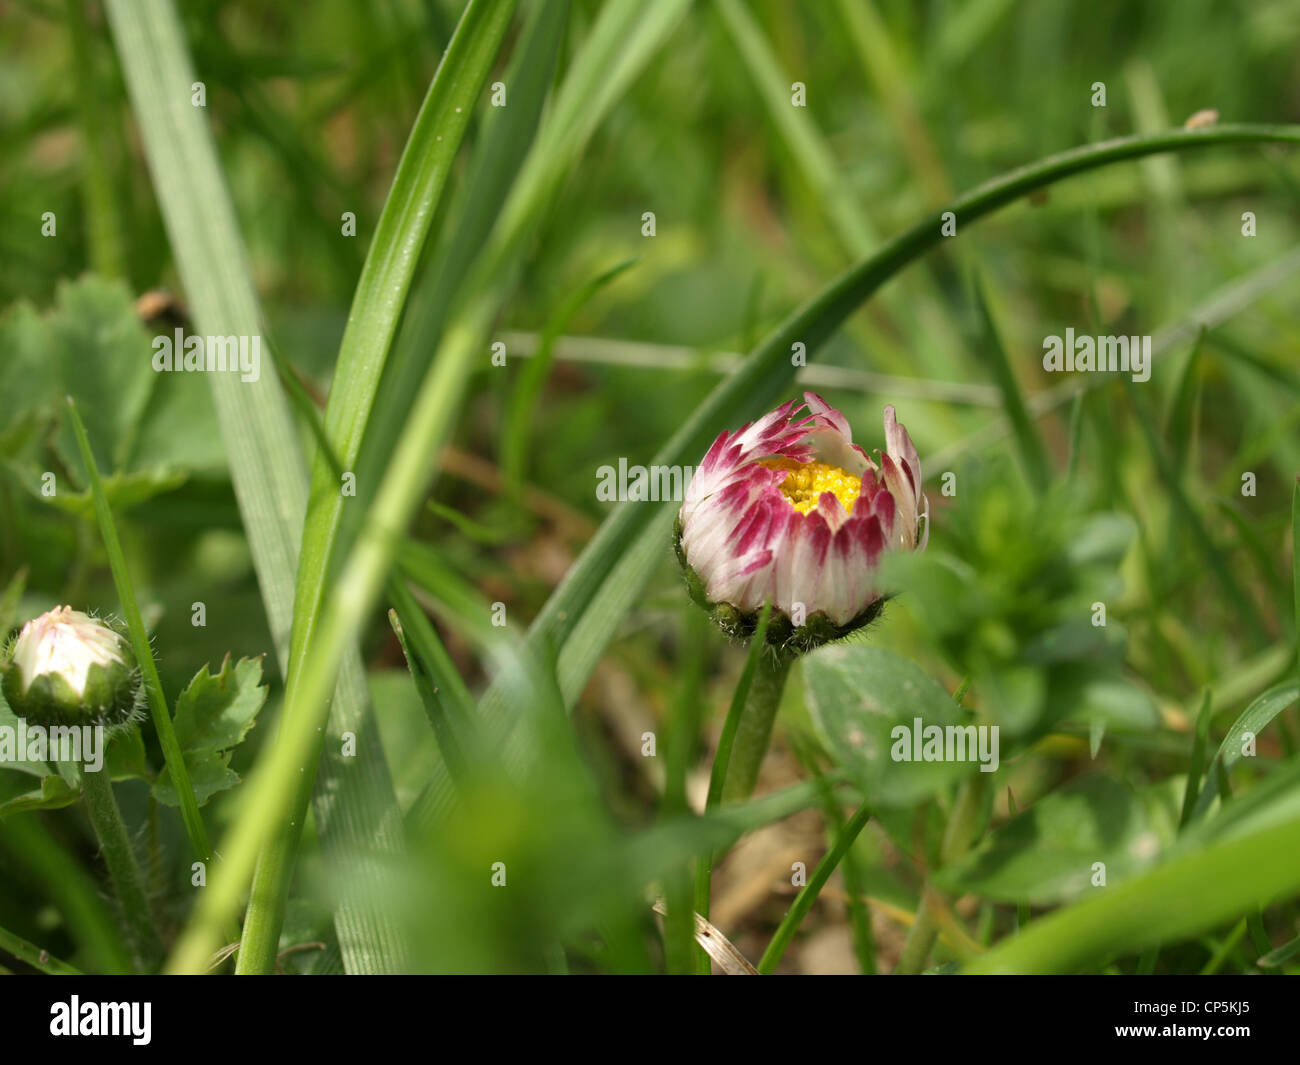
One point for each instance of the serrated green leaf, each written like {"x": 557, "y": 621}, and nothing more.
{"x": 213, "y": 716}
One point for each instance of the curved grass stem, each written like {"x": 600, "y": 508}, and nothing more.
{"x": 808, "y": 894}
{"x": 162, "y": 720}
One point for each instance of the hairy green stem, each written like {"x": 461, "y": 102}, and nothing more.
{"x": 754, "y": 729}
{"x": 115, "y": 844}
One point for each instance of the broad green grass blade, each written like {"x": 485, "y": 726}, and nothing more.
{"x": 508, "y": 134}
{"x": 1231, "y": 878}
{"x": 271, "y": 790}
{"x": 377, "y": 306}
{"x": 266, "y": 464}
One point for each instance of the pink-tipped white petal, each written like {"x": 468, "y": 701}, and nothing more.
{"x": 746, "y": 541}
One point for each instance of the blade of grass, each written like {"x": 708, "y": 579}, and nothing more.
{"x": 855, "y": 893}
{"x": 424, "y": 676}
{"x": 683, "y": 738}
{"x": 508, "y": 134}
{"x": 611, "y": 351}
{"x": 1155, "y": 908}
{"x": 161, "y": 716}
{"x": 1280, "y": 955}
{"x": 35, "y": 956}
{"x": 518, "y": 420}
{"x": 1030, "y": 444}
{"x": 356, "y": 808}
{"x": 1253, "y": 720}
{"x": 1214, "y": 557}
{"x": 376, "y": 308}
{"x": 623, "y": 38}
{"x": 1196, "y": 767}
{"x": 808, "y": 893}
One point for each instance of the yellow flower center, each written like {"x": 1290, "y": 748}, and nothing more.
{"x": 806, "y": 481}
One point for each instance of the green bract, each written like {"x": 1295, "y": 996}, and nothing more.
{"x": 67, "y": 668}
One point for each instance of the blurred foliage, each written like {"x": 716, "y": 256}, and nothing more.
{"x": 1145, "y": 513}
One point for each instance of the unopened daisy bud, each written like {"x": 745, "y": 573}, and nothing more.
{"x": 67, "y": 668}
{"x": 789, "y": 509}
